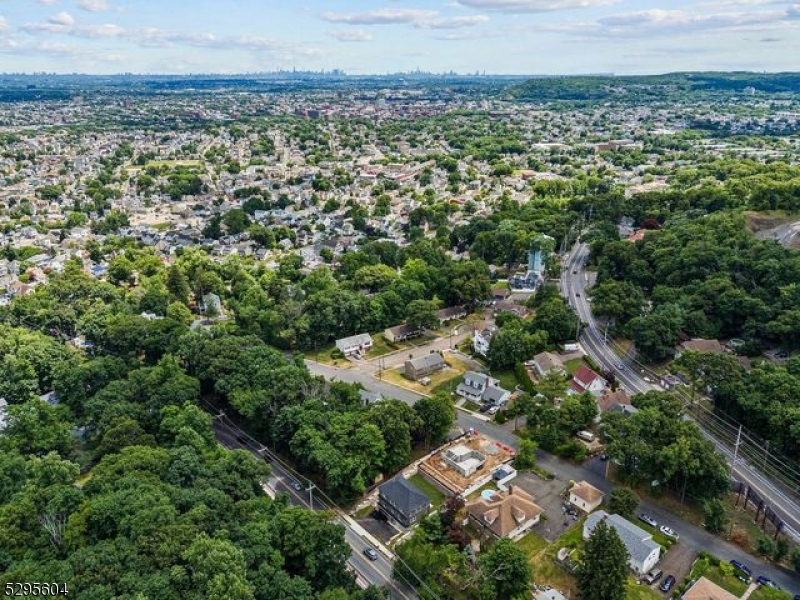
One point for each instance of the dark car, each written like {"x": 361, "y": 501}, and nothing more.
{"x": 740, "y": 566}
{"x": 370, "y": 554}
{"x": 767, "y": 582}
{"x": 485, "y": 408}
{"x": 797, "y": 597}
{"x": 667, "y": 584}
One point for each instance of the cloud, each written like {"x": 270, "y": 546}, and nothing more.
{"x": 533, "y": 6}
{"x": 63, "y": 19}
{"x": 383, "y": 16}
{"x": 47, "y": 2}
{"x": 4, "y": 26}
{"x": 654, "y": 22}
{"x": 94, "y": 5}
{"x": 351, "y": 35}
{"x": 452, "y": 22}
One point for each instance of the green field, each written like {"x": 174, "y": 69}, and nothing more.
{"x": 427, "y": 488}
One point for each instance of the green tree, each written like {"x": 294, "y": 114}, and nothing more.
{"x": 505, "y": 572}
{"x": 437, "y": 415}
{"x": 603, "y": 572}
{"x": 525, "y": 459}
{"x": 715, "y": 516}
{"x": 623, "y": 501}
{"x": 178, "y": 285}
{"x": 422, "y": 314}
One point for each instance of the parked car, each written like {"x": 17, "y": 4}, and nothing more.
{"x": 371, "y": 554}
{"x": 493, "y": 409}
{"x": 740, "y": 566}
{"x": 604, "y": 457}
{"x": 648, "y": 519}
{"x": 668, "y": 531}
{"x": 767, "y": 582}
{"x": 667, "y": 584}
{"x": 485, "y": 408}
{"x": 653, "y": 576}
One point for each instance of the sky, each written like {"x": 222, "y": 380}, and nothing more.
{"x": 389, "y": 36}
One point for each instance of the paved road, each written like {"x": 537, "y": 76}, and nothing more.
{"x": 694, "y": 537}
{"x": 573, "y": 285}
{"x": 377, "y": 572}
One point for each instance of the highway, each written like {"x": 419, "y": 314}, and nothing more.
{"x": 573, "y": 286}
{"x": 377, "y": 572}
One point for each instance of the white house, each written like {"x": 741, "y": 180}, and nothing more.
{"x": 481, "y": 341}
{"x": 643, "y": 552}
{"x": 479, "y": 387}
{"x": 354, "y": 344}
{"x": 586, "y": 380}
{"x": 585, "y": 496}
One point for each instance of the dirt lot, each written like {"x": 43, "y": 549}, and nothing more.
{"x": 547, "y": 494}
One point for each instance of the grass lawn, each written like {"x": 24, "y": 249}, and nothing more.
{"x": 546, "y": 571}
{"x": 427, "y": 488}
{"x": 573, "y": 365}
{"x": 381, "y": 346}
{"x": 364, "y": 512}
{"x": 637, "y": 591}
{"x": 508, "y": 379}
{"x": 763, "y": 593}
{"x": 532, "y": 544}
{"x": 470, "y": 405}
{"x": 442, "y": 380}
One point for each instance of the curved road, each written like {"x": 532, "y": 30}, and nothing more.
{"x": 573, "y": 286}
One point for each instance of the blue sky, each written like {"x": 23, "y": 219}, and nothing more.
{"x": 379, "y": 36}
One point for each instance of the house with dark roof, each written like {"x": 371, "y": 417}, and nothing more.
{"x": 400, "y": 333}
{"x": 451, "y": 313}
{"x": 643, "y": 552}
{"x": 586, "y": 380}
{"x": 422, "y": 366}
{"x": 505, "y": 515}
{"x": 402, "y": 502}
{"x": 546, "y": 362}
{"x": 701, "y": 345}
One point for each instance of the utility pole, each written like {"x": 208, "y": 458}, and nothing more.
{"x": 736, "y": 449}
{"x": 310, "y": 491}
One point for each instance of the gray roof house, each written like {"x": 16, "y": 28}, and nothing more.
{"x": 421, "y": 366}
{"x": 479, "y": 387}
{"x": 402, "y": 502}
{"x": 643, "y": 552}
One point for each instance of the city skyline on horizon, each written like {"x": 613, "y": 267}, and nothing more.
{"x": 495, "y": 37}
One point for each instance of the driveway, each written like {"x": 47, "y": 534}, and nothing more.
{"x": 678, "y": 562}
{"x": 596, "y": 466}
{"x": 547, "y": 494}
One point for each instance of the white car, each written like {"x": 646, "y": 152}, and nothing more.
{"x": 668, "y": 531}
{"x": 493, "y": 410}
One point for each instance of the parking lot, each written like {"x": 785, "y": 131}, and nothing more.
{"x": 678, "y": 562}
{"x": 547, "y": 494}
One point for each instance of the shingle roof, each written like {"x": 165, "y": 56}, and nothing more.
{"x": 428, "y": 361}
{"x": 703, "y": 589}
{"x": 637, "y": 541}
{"x": 587, "y": 492}
{"x": 403, "y": 496}
{"x": 505, "y": 512}
{"x": 584, "y": 376}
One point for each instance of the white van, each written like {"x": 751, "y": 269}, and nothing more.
{"x": 586, "y": 436}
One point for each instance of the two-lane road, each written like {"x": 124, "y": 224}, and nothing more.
{"x": 378, "y": 572}
{"x": 573, "y": 286}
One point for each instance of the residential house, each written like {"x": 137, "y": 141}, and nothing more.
{"x": 451, "y": 313}
{"x": 500, "y": 294}
{"x": 481, "y": 341}
{"x": 701, "y": 345}
{"x": 422, "y": 366}
{"x": 506, "y": 515}
{"x": 612, "y": 401}
{"x": 547, "y": 362}
{"x": 355, "y": 344}
{"x": 508, "y": 306}
{"x": 463, "y": 459}
{"x": 705, "y": 589}
{"x": 369, "y": 398}
{"x": 479, "y": 387}
{"x": 400, "y": 333}
{"x": 585, "y": 496}
{"x": 586, "y": 380}
{"x": 402, "y": 502}
{"x": 643, "y": 552}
